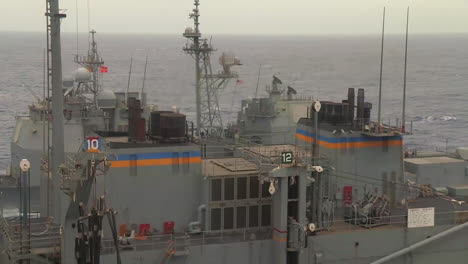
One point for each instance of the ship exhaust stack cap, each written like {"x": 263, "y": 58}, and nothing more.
{"x": 351, "y": 103}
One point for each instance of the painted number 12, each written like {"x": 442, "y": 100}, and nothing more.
{"x": 287, "y": 157}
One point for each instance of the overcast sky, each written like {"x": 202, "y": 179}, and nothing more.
{"x": 304, "y": 17}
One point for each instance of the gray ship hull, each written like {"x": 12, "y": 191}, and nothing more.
{"x": 360, "y": 247}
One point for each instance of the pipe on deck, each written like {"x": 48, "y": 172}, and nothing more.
{"x": 419, "y": 244}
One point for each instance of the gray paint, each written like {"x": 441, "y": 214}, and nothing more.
{"x": 372, "y": 245}
{"x": 438, "y": 174}
{"x": 155, "y": 194}
{"x": 271, "y": 120}
{"x": 362, "y": 168}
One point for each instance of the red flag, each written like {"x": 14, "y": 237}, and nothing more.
{"x": 239, "y": 82}
{"x": 104, "y": 69}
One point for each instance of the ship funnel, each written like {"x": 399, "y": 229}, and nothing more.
{"x": 136, "y": 124}
{"x": 360, "y": 105}
{"x": 168, "y": 126}
{"x": 351, "y": 103}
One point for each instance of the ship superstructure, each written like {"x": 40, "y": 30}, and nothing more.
{"x": 87, "y": 106}
{"x": 145, "y": 186}
{"x": 272, "y": 119}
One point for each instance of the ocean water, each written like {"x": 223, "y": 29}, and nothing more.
{"x": 322, "y": 67}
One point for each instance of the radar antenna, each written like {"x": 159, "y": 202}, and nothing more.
{"x": 207, "y": 84}
{"x": 92, "y": 62}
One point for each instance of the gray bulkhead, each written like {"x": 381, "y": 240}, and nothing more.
{"x": 269, "y": 121}
{"x": 154, "y": 194}
{"x": 438, "y": 171}
{"x": 376, "y": 169}
{"x": 27, "y": 143}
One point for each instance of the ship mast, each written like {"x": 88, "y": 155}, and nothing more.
{"x": 194, "y": 50}
{"x": 56, "y": 148}
{"x": 93, "y": 63}
{"x": 207, "y": 84}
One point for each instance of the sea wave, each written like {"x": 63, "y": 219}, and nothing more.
{"x": 434, "y": 118}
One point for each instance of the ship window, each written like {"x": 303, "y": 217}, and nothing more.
{"x": 229, "y": 218}
{"x": 216, "y": 190}
{"x": 265, "y": 190}
{"x": 241, "y": 217}
{"x": 253, "y": 216}
{"x": 266, "y": 215}
{"x": 254, "y": 187}
{"x": 241, "y": 188}
{"x": 229, "y": 189}
{"x": 216, "y": 219}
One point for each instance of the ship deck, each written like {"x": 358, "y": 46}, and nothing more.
{"x": 446, "y": 213}
{"x": 227, "y": 167}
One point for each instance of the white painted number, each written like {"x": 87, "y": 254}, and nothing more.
{"x": 93, "y": 144}
{"x": 287, "y": 157}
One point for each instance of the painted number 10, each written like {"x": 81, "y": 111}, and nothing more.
{"x": 287, "y": 157}
{"x": 93, "y": 144}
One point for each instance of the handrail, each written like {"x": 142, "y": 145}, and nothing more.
{"x": 184, "y": 240}
{"x": 19, "y": 247}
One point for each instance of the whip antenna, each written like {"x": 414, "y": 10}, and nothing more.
{"x": 129, "y": 75}
{"x": 404, "y": 76}
{"x": 379, "y": 127}
{"x": 258, "y": 79}
{"x": 144, "y": 74}
{"x": 77, "y": 29}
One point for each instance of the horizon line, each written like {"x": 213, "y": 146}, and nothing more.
{"x": 245, "y": 34}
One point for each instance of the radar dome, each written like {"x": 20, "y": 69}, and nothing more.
{"x": 106, "y": 99}
{"x": 82, "y": 75}
{"x": 67, "y": 81}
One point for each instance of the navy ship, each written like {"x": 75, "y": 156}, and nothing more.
{"x": 294, "y": 181}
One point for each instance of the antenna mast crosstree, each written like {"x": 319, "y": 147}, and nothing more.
{"x": 207, "y": 84}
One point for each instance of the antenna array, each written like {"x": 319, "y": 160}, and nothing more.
{"x": 207, "y": 84}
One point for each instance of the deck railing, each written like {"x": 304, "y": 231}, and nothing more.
{"x": 180, "y": 242}
{"x": 39, "y": 237}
